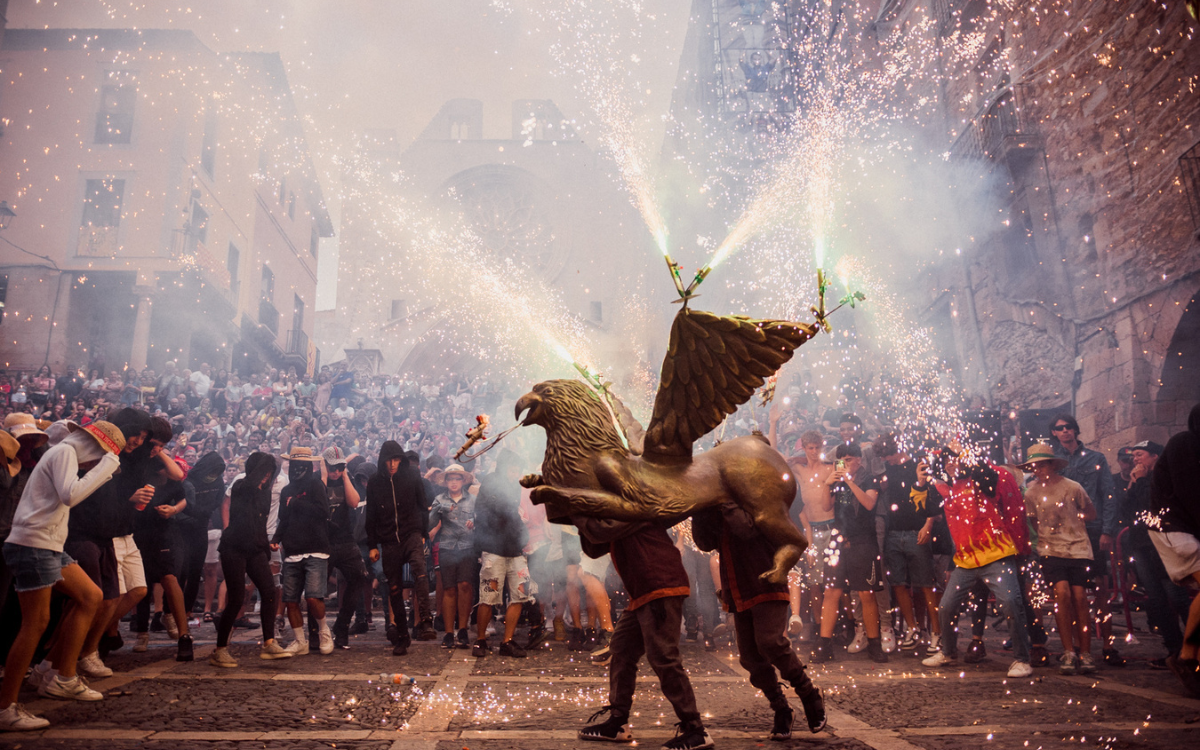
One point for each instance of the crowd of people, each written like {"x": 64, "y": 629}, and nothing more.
{"x": 193, "y": 499}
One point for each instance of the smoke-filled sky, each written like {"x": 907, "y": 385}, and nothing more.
{"x": 358, "y": 64}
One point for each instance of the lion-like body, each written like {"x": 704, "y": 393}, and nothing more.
{"x": 587, "y": 471}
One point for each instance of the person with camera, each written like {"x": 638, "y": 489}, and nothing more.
{"x": 852, "y": 562}
{"x": 985, "y": 512}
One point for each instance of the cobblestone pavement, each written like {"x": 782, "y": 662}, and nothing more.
{"x": 538, "y": 703}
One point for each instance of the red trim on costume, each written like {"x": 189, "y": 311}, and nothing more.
{"x": 658, "y": 594}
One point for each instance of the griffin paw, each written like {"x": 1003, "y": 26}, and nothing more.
{"x": 775, "y": 576}
{"x": 530, "y": 480}
{"x": 543, "y": 494}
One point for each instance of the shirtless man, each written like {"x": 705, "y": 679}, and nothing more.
{"x": 811, "y": 472}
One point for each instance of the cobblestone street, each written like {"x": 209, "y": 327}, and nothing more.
{"x": 539, "y": 702}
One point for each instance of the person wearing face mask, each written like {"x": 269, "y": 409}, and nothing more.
{"x": 245, "y": 550}
{"x": 303, "y": 533}
{"x": 208, "y": 492}
{"x": 34, "y": 553}
{"x": 344, "y": 555}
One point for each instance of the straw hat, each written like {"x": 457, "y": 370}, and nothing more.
{"x": 9, "y": 447}
{"x": 300, "y": 453}
{"x": 1039, "y": 452}
{"x": 107, "y": 434}
{"x": 467, "y": 477}
{"x": 19, "y": 425}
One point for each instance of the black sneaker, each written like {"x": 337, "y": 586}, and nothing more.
{"x": 782, "y": 728}
{"x": 1113, "y": 658}
{"x": 976, "y": 652}
{"x": 1188, "y": 672}
{"x": 110, "y": 643}
{"x": 689, "y": 735}
{"x": 448, "y": 640}
{"x": 393, "y": 634}
{"x": 575, "y": 641}
{"x": 481, "y": 648}
{"x": 1039, "y": 656}
{"x": 359, "y": 627}
{"x": 156, "y": 625}
{"x": 614, "y": 729}
{"x": 589, "y": 640}
{"x": 462, "y": 641}
{"x": 510, "y": 648}
{"x": 400, "y": 649}
{"x": 537, "y": 636}
{"x": 600, "y": 652}
{"x": 823, "y": 652}
{"x": 341, "y": 637}
{"x": 184, "y": 651}
{"x": 425, "y": 631}
{"x": 875, "y": 651}
{"x": 814, "y": 709}
{"x": 710, "y": 645}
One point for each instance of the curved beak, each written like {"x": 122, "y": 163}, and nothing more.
{"x": 530, "y": 401}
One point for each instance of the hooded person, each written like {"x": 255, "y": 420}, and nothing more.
{"x": 1175, "y": 499}
{"x": 34, "y": 553}
{"x": 245, "y": 550}
{"x": 207, "y": 480}
{"x": 344, "y": 555}
{"x": 303, "y": 533}
{"x": 395, "y": 526}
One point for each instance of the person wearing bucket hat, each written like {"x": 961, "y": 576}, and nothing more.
{"x": 303, "y": 532}
{"x": 452, "y": 523}
{"x": 24, "y": 428}
{"x": 34, "y": 553}
{"x": 1058, "y": 510}
{"x": 344, "y": 555}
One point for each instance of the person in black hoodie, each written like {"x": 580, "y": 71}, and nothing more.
{"x": 246, "y": 550}
{"x": 207, "y": 481}
{"x": 303, "y": 532}
{"x": 395, "y": 524}
{"x": 500, "y": 537}
{"x": 1175, "y": 499}
{"x": 344, "y": 555}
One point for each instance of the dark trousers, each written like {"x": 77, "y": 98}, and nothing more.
{"x": 237, "y": 566}
{"x": 347, "y": 560}
{"x": 763, "y": 648}
{"x": 1167, "y": 602}
{"x": 395, "y": 555}
{"x": 653, "y": 630}
{"x": 195, "y": 549}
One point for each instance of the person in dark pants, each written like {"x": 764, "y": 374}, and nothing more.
{"x": 344, "y": 555}
{"x": 760, "y": 613}
{"x": 207, "y": 479}
{"x": 396, "y": 526}
{"x": 651, "y": 568}
{"x": 246, "y": 551}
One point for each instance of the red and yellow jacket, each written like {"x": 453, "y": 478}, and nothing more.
{"x": 985, "y": 529}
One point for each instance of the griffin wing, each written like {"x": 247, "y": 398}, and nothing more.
{"x": 714, "y": 364}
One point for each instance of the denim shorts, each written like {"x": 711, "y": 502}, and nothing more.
{"x": 308, "y": 576}
{"x": 906, "y": 562}
{"x": 35, "y": 568}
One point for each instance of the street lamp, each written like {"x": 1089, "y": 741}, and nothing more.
{"x": 6, "y": 215}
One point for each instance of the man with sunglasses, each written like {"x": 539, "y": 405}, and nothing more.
{"x": 1090, "y": 469}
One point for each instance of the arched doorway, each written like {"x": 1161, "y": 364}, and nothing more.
{"x": 1180, "y": 377}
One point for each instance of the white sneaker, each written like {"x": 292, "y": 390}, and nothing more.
{"x": 938, "y": 660}
{"x": 143, "y": 643}
{"x": 74, "y": 689}
{"x": 935, "y": 644}
{"x": 16, "y": 719}
{"x": 911, "y": 638}
{"x": 168, "y": 621}
{"x": 91, "y": 667}
{"x": 272, "y": 650}
{"x": 888, "y": 637}
{"x": 1020, "y": 669}
{"x": 222, "y": 658}
{"x": 297, "y": 647}
{"x": 860, "y": 640}
{"x": 39, "y": 676}
{"x": 326, "y": 642}
{"x": 794, "y": 625}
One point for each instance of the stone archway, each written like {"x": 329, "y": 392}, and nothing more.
{"x": 1179, "y": 384}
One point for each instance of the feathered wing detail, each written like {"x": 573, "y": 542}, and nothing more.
{"x": 713, "y": 365}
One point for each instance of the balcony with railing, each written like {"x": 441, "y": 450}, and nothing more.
{"x": 297, "y": 343}
{"x": 268, "y": 316}
{"x": 1003, "y": 124}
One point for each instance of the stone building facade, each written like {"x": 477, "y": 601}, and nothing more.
{"x": 1074, "y": 127}
{"x": 167, "y": 207}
